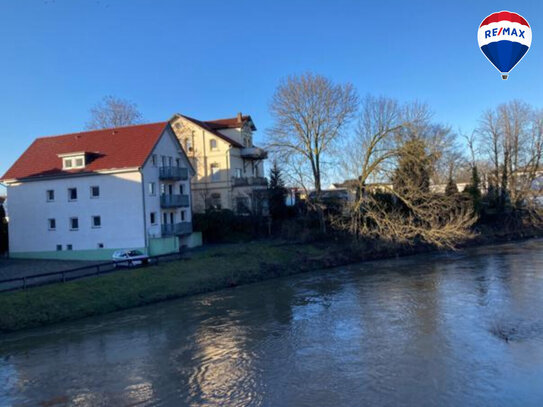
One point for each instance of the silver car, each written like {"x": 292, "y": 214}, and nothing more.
{"x": 129, "y": 258}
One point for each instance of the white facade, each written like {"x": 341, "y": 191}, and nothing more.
{"x": 110, "y": 210}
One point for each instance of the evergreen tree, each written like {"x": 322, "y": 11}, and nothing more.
{"x": 277, "y": 193}
{"x": 451, "y": 188}
{"x": 473, "y": 189}
{"x": 414, "y": 168}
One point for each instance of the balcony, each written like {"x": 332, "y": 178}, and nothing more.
{"x": 175, "y": 229}
{"x": 174, "y": 173}
{"x": 253, "y": 153}
{"x": 250, "y": 181}
{"x": 174, "y": 201}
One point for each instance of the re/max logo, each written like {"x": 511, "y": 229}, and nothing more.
{"x": 505, "y": 31}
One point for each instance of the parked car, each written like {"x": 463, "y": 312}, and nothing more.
{"x": 129, "y": 258}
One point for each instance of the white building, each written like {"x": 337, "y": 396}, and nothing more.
{"x": 85, "y": 195}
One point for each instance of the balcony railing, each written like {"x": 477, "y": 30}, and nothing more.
{"x": 249, "y": 181}
{"x": 254, "y": 153}
{"x": 175, "y": 229}
{"x": 174, "y": 173}
{"x": 174, "y": 201}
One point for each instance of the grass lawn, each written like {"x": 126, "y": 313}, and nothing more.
{"x": 205, "y": 271}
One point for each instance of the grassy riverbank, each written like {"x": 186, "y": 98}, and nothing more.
{"x": 204, "y": 271}
{"x": 208, "y": 270}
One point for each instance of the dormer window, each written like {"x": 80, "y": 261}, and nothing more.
{"x": 73, "y": 160}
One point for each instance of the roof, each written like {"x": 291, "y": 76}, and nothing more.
{"x": 212, "y": 129}
{"x": 231, "y": 122}
{"x": 108, "y": 149}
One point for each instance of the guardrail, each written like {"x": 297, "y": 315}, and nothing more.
{"x": 62, "y": 276}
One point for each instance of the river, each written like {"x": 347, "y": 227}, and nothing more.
{"x": 442, "y": 329}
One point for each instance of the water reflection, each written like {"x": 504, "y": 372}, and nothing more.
{"x": 452, "y": 329}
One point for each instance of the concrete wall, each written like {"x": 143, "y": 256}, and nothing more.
{"x": 119, "y": 206}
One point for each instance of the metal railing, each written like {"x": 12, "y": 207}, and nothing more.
{"x": 174, "y": 173}
{"x": 174, "y": 229}
{"x": 248, "y": 181}
{"x": 253, "y": 153}
{"x": 62, "y": 276}
{"x": 174, "y": 201}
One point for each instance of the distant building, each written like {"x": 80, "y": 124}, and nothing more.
{"x": 85, "y": 195}
{"x": 229, "y": 167}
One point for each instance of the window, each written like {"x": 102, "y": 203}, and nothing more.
{"x": 52, "y": 224}
{"x": 165, "y": 218}
{"x": 215, "y": 174}
{"x": 50, "y": 195}
{"x": 242, "y": 205}
{"x": 170, "y": 161}
{"x": 215, "y": 200}
{"x": 182, "y": 216}
{"x": 162, "y": 189}
{"x": 188, "y": 144}
{"x": 154, "y": 160}
{"x": 95, "y": 192}
{"x": 69, "y": 247}
{"x": 59, "y": 247}
{"x": 238, "y": 172}
{"x": 96, "y": 221}
{"x": 152, "y": 218}
{"x": 100, "y": 245}
{"x": 67, "y": 163}
{"x": 79, "y": 162}
{"x": 163, "y": 160}
{"x": 212, "y": 144}
{"x": 72, "y": 194}
{"x": 177, "y": 162}
{"x": 181, "y": 189}
{"x": 152, "y": 188}
{"x": 74, "y": 223}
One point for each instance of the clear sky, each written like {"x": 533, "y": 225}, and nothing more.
{"x": 211, "y": 59}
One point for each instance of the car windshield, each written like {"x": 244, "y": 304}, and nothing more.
{"x": 135, "y": 253}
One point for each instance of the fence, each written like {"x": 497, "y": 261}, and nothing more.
{"x": 54, "y": 277}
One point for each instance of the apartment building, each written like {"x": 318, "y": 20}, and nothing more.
{"x": 85, "y": 195}
{"x": 229, "y": 167}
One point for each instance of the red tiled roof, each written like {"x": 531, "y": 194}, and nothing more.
{"x": 213, "y": 130}
{"x": 121, "y": 147}
{"x": 230, "y": 123}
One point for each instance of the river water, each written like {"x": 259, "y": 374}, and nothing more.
{"x": 449, "y": 329}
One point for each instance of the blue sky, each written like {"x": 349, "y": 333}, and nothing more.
{"x": 211, "y": 59}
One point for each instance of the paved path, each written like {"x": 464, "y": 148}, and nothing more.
{"x": 12, "y": 268}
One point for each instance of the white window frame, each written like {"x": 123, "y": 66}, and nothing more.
{"x": 152, "y": 189}
{"x": 71, "y": 223}
{"x": 91, "y": 189}
{"x": 70, "y": 194}
{"x": 49, "y": 224}
{"x": 47, "y": 195}
{"x": 213, "y": 144}
{"x": 215, "y": 176}
{"x": 151, "y": 220}
{"x": 93, "y": 225}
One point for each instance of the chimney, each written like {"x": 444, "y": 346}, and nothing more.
{"x": 239, "y": 117}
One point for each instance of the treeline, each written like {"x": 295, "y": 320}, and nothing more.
{"x": 397, "y": 154}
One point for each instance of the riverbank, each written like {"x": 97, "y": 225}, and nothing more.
{"x": 205, "y": 271}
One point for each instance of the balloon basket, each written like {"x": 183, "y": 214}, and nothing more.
{"x": 504, "y": 77}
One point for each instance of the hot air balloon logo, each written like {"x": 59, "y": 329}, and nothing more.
{"x": 504, "y": 37}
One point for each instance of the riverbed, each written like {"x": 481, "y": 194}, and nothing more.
{"x": 442, "y": 329}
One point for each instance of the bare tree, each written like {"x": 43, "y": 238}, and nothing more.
{"x": 408, "y": 211}
{"x": 310, "y": 113}
{"x": 113, "y": 112}
{"x": 511, "y": 139}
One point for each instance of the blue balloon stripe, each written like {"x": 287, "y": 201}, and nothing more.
{"x": 504, "y": 54}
